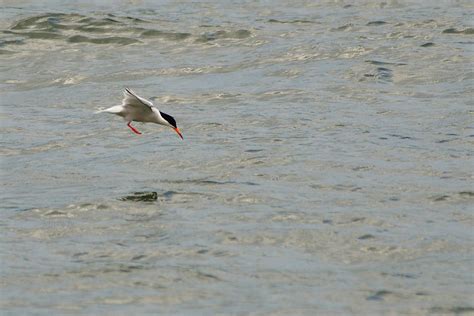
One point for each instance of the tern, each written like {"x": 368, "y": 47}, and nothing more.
{"x": 138, "y": 109}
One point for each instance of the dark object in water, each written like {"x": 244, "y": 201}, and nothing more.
{"x": 141, "y": 197}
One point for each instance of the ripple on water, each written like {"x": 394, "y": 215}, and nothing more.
{"x": 376, "y": 23}
{"x": 381, "y": 63}
{"x": 379, "y": 295}
{"x": 37, "y": 35}
{"x": 103, "y": 40}
{"x": 461, "y": 196}
{"x": 428, "y": 44}
{"x": 466, "y": 31}
{"x": 345, "y": 27}
{"x": 212, "y": 36}
{"x": 174, "y": 36}
{"x": 207, "y": 182}
{"x": 455, "y": 310}
{"x": 76, "y": 28}
{"x": 295, "y": 21}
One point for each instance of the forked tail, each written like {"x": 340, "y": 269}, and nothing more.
{"x": 113, "y": 110}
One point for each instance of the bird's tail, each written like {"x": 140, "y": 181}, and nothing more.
{"x": 114, "y": 110}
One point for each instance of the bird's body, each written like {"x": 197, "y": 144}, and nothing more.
{"x": 138, "y": 109}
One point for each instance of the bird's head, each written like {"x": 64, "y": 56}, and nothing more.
{"x": 171, "y": 123}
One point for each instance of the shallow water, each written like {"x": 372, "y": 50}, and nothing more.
{"x": 326, "y": 166}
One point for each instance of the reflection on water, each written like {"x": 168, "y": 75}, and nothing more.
{"x": 326, "y": 169}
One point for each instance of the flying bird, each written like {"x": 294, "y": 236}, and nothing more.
{"x": 138, "y": 109}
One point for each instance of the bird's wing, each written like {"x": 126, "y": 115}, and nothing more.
{"x": 131, "y": 99}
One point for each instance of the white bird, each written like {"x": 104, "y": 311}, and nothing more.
{"x": 138, "y": 109}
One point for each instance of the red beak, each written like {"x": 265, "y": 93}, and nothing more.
{"x": 179, "y": 132}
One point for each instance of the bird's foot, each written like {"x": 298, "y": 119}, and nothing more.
{"x": 134, "y": 129}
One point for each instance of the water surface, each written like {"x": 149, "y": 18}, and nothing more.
{"x": 326, "y": 166}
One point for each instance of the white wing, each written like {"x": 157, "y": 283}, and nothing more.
{"x": 131, "y": 99}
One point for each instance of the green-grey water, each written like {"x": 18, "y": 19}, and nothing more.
{"x": 326, "y": 167}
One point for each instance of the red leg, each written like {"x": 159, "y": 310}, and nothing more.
{"x": 133, "y": 128}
